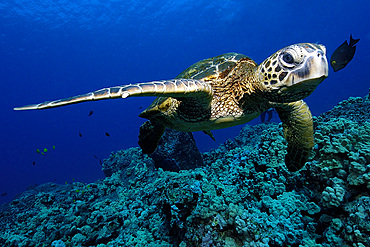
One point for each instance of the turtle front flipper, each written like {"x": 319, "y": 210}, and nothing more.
{"x": 298, "y": 131}
{"x": 169, "y": 88}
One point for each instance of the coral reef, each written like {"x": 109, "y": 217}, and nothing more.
{"x": 243, "y": 195}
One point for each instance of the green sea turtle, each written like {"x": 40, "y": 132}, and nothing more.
{"x": 228, "y": 90}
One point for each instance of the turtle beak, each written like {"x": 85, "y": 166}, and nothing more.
{"x": 319, "y": 64}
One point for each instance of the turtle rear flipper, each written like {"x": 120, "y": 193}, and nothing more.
{"x": 298, "y": 131}
{"x": 169, "y": 88}
{"x": 149, "y": 136}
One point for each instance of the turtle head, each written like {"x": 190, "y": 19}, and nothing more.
{"x": 294, "y": 72}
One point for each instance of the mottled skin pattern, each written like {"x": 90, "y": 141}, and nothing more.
{"x": 233, "y": 93}
{"x": 229, "y": 90}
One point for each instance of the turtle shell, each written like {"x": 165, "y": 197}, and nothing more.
{"x": 206, "y": 69}
{"x": 214, "y": 67}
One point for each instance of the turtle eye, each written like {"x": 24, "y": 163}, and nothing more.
{"x": 288, "y": 58}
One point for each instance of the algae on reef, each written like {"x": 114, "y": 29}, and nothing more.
{"x": 242, "y": 195}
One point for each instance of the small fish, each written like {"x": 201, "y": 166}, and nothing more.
{"x": 107, "y": 134}
{"x": 90, "y": 113}
{"x": 45, "y": 150}
{"x": 38, "y": 151}
{"x": 79, "y": 133}
{"x": 53, "y": 146}
{"x": 95, "y": 157}
{"x": 343, "y": 54}
{"x": 34, "y": 163}
{"x": 140, "y": 107}
{"x": 4, "y": 194}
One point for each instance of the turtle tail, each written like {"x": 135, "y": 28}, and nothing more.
{"x": 149, "y": 136}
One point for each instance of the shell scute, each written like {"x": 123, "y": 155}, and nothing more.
{"x": 212, "y": 68}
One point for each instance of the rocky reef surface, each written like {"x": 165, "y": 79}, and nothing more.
{"x": 240, "y": 194}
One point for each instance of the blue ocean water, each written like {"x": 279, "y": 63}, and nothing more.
{"x": 56, "y": 49}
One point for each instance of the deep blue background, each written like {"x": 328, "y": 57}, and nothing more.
{"x": 63, "y": 48}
